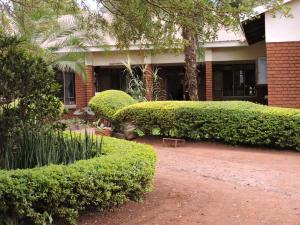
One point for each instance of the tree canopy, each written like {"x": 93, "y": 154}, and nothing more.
{"x": 160, "y": 23}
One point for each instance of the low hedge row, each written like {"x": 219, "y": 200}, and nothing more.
{"x": 234, "y": 122}
{"x": 59, "y": 193}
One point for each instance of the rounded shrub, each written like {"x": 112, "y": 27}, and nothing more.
{"x": 234, "y": 122}
{"x": 107, "y": 103}
{"x": 59, "y": 192}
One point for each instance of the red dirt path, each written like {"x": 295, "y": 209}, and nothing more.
{"x": 214, "y": 184}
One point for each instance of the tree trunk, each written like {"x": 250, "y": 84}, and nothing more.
{"x": 191, "y": 74}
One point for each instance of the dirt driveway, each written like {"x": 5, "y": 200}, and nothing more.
{"x": 214, "y": 184}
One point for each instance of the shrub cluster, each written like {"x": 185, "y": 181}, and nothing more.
{"x": 106, "y": 103}
{"x": 234, "y": 122}
{"x": 59, "y": 192}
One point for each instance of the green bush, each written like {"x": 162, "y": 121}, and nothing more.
{"x": 106, "y": 103}
{"x": 233, "y": 122}
{"x": 60, "y": 192}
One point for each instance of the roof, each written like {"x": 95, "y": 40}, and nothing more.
{"x": 254, "y": 28}
{"x": 262, "y": 9}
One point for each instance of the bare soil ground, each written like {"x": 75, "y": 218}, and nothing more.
{"x": 215, "y": 184}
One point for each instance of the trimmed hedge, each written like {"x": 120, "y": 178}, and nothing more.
{"x": 59, "y": 193}
{"x": 234, "y": 122}
{"x": 106, "y": 103}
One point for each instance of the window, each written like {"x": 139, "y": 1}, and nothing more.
{"x": 238, "y": 80}
{"x": 67, "y": 91}
{"x": 110, "y": 78}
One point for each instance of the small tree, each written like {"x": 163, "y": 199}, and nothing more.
{"x": 27, "y": 89}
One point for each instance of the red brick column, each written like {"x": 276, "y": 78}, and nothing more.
{"x": 283, "y": 66}
{"x": 149, "y": 82}
{"x": 80, "y": 92}
{"x": 90, "y": 83}
{"x": 208, "y": 81}
{"x": 85, "y": 90}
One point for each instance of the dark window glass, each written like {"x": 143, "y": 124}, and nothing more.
{"x": 67, "y": 88}
{"x": 238, "y": 83}
{"x": 110, "y": 78}
{"x": 60, "y": 80}
{"x": 238, "y": 80}
{"x": 250, "y": 82}
{"x": 227, "y": 83}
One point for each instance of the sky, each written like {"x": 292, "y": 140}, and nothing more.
{"x": 92, "y": 4}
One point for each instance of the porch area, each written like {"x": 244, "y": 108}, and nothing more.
{"x": 217, "y": 81}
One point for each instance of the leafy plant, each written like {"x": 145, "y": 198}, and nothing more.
{"x": 136, "y": 85}
{"x": 136, "y": 82}
{"x": 36, "y": 148}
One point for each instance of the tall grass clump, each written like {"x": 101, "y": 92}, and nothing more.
{"x": 36, "y": 148}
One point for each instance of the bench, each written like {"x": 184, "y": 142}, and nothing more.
{"x": 174, "y": 142}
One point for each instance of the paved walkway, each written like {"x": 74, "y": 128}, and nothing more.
{"x": 214, "y": 184}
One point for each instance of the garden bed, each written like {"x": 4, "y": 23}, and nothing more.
{"x": 60, "y": 192}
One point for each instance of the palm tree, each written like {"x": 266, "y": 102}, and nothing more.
{"x": 48, "y": 31}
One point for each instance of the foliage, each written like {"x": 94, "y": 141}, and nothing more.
{"x": 136, "y": 85}
{"x": 27, "y": 88}
{"x": 232, "y": 122}
{"x": 106, "y": 103}
{"x": 59, "y": 192}
{"x": 47, "y": 31}
{"x": 157, "y": 24}
{"x": 36, "y": 148}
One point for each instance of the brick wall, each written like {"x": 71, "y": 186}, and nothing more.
{"x": 283, "y": 62}
{"x": 90, "y": 84}
{"x": 208, "y": 81}
{"x": 85, "y": 90}
{"x": 149, "y": 82}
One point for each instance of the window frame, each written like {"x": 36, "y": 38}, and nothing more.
{"x": 234, "y": 68}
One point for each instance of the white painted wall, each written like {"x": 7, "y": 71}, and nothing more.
{"x": 114, "y": 58}
{"x": 167, "y": 58}
{"x": 252, "y": 52}
{"x": 284, "y": 29}
{"x": 240, "y": 53}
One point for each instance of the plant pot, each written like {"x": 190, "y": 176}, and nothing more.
{"x": 104, "y": 132}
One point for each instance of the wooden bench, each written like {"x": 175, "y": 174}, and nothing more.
{"x": 174, "y": 142}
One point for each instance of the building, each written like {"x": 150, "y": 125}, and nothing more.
{"x": 261, "y": 63}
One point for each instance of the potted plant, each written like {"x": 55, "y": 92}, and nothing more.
{"x": 84, "y": 113}
{"x": 103, "y": 129}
